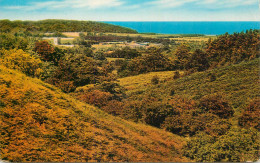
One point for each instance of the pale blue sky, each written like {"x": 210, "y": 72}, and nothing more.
{"x": 131, "y": 10}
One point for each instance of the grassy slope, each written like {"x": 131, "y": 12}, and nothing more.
{"x": 140, "y": 82}
{"x": 40, "y": 123}
{"x": 239, "y": 84}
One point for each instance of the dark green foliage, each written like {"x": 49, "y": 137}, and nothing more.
{"x": 80, "y": 50}
{"x": 116, "y": 38}
{"x": 2, "y": 104}
{"x": 187, "y": 118}
{"x": 185, "y": 59}
{"x": 125, "y": 52}
{"x": 48, "y": 70}
{"x": 9, "y": 41}
{"x": 225, "y": 50}
{"x": 155, "y": 112}
{"x": 238, "y": 145}
{"x": 182, "y": 56}
{"x": 99, "y": 56}
{"x": 115, "y": 89}
{"x": 176, "y": 75}
{"x": 155, "y": 80}
{"x": 172, "y": 92}
{"x": 199, "y": 60}
{"x": 74, "y": 71}
{"x": 155, "y": 61}
{"x": 82, "y": 42}
{"x": 53, "y": 25}
{"x": 233, "y": 48}
{"x": 212, "y": 77}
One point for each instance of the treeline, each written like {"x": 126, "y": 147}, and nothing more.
{"x": 225, "y": 50}
{"x": 113, "y": 38}
{"x": 64, "y": 68}
{"x": 53, "y": 25}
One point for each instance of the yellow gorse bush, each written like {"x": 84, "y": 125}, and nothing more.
{"x": 22, "y": 61}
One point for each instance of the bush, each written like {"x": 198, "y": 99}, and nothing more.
{"x": 212, "y": 77}
{"x": 251, "y": 116}
{"x": 176, "y": 75}
{"x": 79, "y": 69}
{"x": 155, "y": 80}
{"x": 216, "y": 104}
{"x": 154, "y": 113}
{"x": 96, "y": 97}
{"x": 48, "y": 52}
{"x": 125, "y": 52}
{"x": 186, "y": 118}
{"x": 22, "y": 61}
{"x": 238, "y": 145}
{"x": 9, "y": 41}
{"x": 113, "y": 107}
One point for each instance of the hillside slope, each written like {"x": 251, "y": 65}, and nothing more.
{"x": 56, "y": 25}
{"x": 40, "y": 123}
{"x": 238, "y": 83}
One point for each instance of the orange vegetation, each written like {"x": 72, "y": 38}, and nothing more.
{"x": 40, "y": 123}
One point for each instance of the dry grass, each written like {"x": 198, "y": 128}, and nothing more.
{"x": 42, "y": 124}
{"x": 190, "y": 39}
{"x": 141, "y": 82}
{"x": 71, "y": 34}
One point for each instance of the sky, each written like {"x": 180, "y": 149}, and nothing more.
{"x": 131, "y": 10}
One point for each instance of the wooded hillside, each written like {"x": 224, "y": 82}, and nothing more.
{"x": 52, "y": 25}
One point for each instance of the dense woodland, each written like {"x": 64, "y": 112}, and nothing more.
{"x": 52, "y": 25}
{"x": 206, "y": 108}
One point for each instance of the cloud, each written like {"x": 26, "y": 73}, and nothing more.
{"x": 202, "y": 3}
{"x": 226, "y": 3}
{"x": 170, "y": 3}
{"x": 92, "y": 4}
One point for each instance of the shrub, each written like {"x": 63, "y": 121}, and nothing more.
{"x": 96, "y": 97}
{"x": 133, "y": 110}
{"x": 155, "y": 80}
{"x": 154, "y": 113}
{"x": 113, "y": 107}
{"x": 216, "y": 104}
{"x": 176, "y": 75}
{"x": 212, "y": 77}
{"x": 9, "y": 41}
{"x": 79, "y": 69}
{"x": 251, "y": 116}
{"x": 22, "y": 61}
{"x": 187, "y": 118}
{"x": 125, "y": 52}
{"x": 48, "y": 52}
{"x": 238, "y": 145}
{"x": 183, "y": 124}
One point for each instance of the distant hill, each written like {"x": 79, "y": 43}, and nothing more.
{"x": 53, "y": 25}
{"x": 39, "y": 123}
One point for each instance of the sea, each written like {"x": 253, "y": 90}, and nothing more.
{"x": 206, "y": 28}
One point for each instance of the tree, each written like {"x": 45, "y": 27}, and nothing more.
{"x": 48, "y": 52}
{"x": 79, "y": 69}
{"x": 199, "y": 60}
{"x": 182, "y": 56}
{"x": 217, "y": 105}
